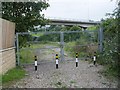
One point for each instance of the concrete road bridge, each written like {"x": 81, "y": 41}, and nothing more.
{"x": 70, "y": 22}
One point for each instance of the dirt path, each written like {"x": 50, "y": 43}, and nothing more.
{"x": 67, "y": 76}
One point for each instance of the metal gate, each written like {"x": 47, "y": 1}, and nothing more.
{"x": 45, "y": 45}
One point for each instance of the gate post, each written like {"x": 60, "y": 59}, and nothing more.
{"x": 100, "y": 38}
{"x": 18, "y": 56}
{"x": 62, "y": 45}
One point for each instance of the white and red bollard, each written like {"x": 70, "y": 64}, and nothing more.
{"x": 76, "y": 59}
{"x": 35, "y": 63}
{"x": 56, "y": 61}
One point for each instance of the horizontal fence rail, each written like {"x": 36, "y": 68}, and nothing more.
{"x": 37, "y": 48}
{"x": 49, "y": 32}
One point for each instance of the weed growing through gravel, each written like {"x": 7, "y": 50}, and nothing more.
{"x": 60, "y": 85}
{"x": 72, "y": 82}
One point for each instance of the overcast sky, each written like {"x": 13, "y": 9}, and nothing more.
{"x": 80, "y": 9}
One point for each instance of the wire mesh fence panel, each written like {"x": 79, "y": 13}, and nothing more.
{"x": 84, "y": 43}
{"x": 43, "y": 45}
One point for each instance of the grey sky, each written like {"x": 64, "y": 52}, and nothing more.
{"x": 79, "y": 9}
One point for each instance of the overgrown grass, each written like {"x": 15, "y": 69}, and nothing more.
{"x": 14, "y": 74}
{"x": 43, "y": 44}
{"x": 71, "y": 50}
{"x": 110, "y": 73}
{"x": 0, "y": 80}
{"x": 27, "y": 55}
{"x": 110, "y": 66}
{"x": 72, "y": 82}
{"x": 68, "y": 48}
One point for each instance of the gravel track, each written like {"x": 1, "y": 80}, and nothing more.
{"x": 66, "y": 76}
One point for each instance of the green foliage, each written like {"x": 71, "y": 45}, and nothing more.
{"x": 0, "y": 79}
{"x": 110, "y": 51}
{"x": 54, "y": 28}
{"x": 110, "y": 72}
{"x": 72, "y": 36}
{"x": 69, "y": 49}
{"x": 72, "y": 47}
{"x": 36, "y": 34}
{"x": 110, "y": 54}
{"x": 50, "y": 37}
{"x": 13, "y": 75}
{"x": 25, "y": 15}
{"x": 78, "y": 42}
{"x": 93, "y": 28}
{"x": 72, "y": 82}
{"x": 75, "y": 28}
{"x": 26, "y": 56}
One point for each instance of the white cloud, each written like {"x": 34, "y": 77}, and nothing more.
{"x": 80, "y": 9}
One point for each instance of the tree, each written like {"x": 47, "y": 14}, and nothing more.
{"x": 111, "y": 51}
{"x": 26, "y": 15}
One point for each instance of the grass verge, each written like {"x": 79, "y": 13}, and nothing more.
{"x": 13, "y": 75}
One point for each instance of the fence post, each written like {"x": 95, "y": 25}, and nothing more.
{"x": 62, "y": 45}
{"x": 18, "y": 55}
{"x": 100, "y": 38}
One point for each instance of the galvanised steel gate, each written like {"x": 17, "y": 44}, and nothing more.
{"x": 65, "y": 43}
